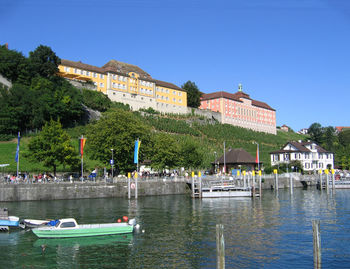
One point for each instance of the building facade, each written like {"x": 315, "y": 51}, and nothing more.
{"x": 240, "y": 110}
{"x": 128, "y": 84}
{"x": 311, "y": 156}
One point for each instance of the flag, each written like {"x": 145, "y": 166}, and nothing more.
{"x": 17, "y": 151}
{"x": 136, "y": 151}
{"x": 81, "y": 146}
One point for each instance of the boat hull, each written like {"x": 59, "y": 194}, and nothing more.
{"x": 11, "y": 221}
{"x": 222, "y": 194}
{"x": 82, "y": 232}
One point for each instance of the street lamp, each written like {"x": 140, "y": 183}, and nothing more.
{"x": 112, "y": 163}
{"x": 215, "y": 163}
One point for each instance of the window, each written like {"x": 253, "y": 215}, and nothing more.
{"x": 174, "y": 92}
{"x": 174, "y": 100}
{"x": 94, "y": 75}
{"x": 114, "y": 77}
{"x": 102, "y": 85}
{"x": 88, "y": 73}
{"x": 67, "y": 69}
{"x": 101, "y": 75}
{"x": 76, "y": 71}
{"x": 68, "y": 224}
{"x": 180, "y": 94}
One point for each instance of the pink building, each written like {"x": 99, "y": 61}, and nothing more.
{"x": 240, "y": 110}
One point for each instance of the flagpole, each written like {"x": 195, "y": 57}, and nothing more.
{"x": 19, "y": 135}
{"x": 224, "y": 158}
{"x": 82, "y": 159}
{"x": 137, "y": 167}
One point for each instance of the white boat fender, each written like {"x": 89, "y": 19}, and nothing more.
{"x": 132, "y": 222}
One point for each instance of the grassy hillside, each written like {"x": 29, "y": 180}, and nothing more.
{"x": 209, "y": 138}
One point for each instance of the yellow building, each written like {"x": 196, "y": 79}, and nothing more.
{"x": 128, "y": 84}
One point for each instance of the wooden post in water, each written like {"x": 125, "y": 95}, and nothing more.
{"x": 321, "y": 183}
{"x": 327, "y": 178}
{"x": 129, "y": 190}
{"x": 136, "y": 175}
{"x": 200, "y": 184}
{"x": 253, "y": 185}
{"x": 291, "y": 183}
{"x": 276, "y": 179}
{"x": 220, "y": 246}
{"x": 192, "y": 184}
{"x": 260, "y": 190}
{"x": 244, "y": 180}
{"x": 316, "y": 243}
{"x": 333, "y": 180}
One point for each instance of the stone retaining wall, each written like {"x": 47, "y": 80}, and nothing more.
{"x": 59, "y": 191}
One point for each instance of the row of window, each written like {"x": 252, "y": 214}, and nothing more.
{"x": 167, "y": 98}
{"x": 118, "y": 86}
{"x": 84, "y": 72}
{"x": 146, "y": 91}
{"x": 298, "y": 156}
{"x": 102, "y": 85}
{"x": 167, "y": 91}
{"x": 146, "y": 83}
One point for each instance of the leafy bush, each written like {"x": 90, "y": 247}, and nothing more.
{"x": 96, "y": 100}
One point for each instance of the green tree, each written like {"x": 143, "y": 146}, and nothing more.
{"x": 344, "y": 138}
{"x": 328, "y": 138}
{"x": 191, "y": 157}
{"x": 315, "y": 132}
{"x": 193, "y": 94}
{"x": 57, "y": 99}
{"x": 43, "y": 61}
{"x": 52, "y": 147}
{"x": 165, "y": 152}
{"x": 118, "y": 130}
{"x": 13, "y": 65}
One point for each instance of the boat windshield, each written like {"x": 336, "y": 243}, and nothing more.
{"x": 57, "y": 224}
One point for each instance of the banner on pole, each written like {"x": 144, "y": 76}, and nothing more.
{"x": 136, "y": 151}
{"x": 82, "y": 142}
{"x": 17, "y": 151}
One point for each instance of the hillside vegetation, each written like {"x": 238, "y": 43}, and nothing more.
{"x": 208, "y": 137}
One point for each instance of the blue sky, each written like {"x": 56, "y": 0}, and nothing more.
{"x": 292, "y": 54}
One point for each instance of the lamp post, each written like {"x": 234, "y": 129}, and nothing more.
{"x": 215, "y": 163}
{"x": 112, "y": 163}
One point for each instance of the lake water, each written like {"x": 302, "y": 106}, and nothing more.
{"x": 180, "y": 232}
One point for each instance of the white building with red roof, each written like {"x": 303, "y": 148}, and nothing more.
{"x": 240, "y": 110}
{"x": 312, "y": 156}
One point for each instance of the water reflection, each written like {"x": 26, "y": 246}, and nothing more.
{"x": 271, "y": 232}
{"x": 76, "y": 243}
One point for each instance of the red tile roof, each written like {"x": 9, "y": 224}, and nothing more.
{"x": 168, "y": 85}
{"x": 236, "y": 97}
{"x": 82, "y": 66}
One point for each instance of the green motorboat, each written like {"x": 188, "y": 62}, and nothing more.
{"x": 66, "y": 228}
